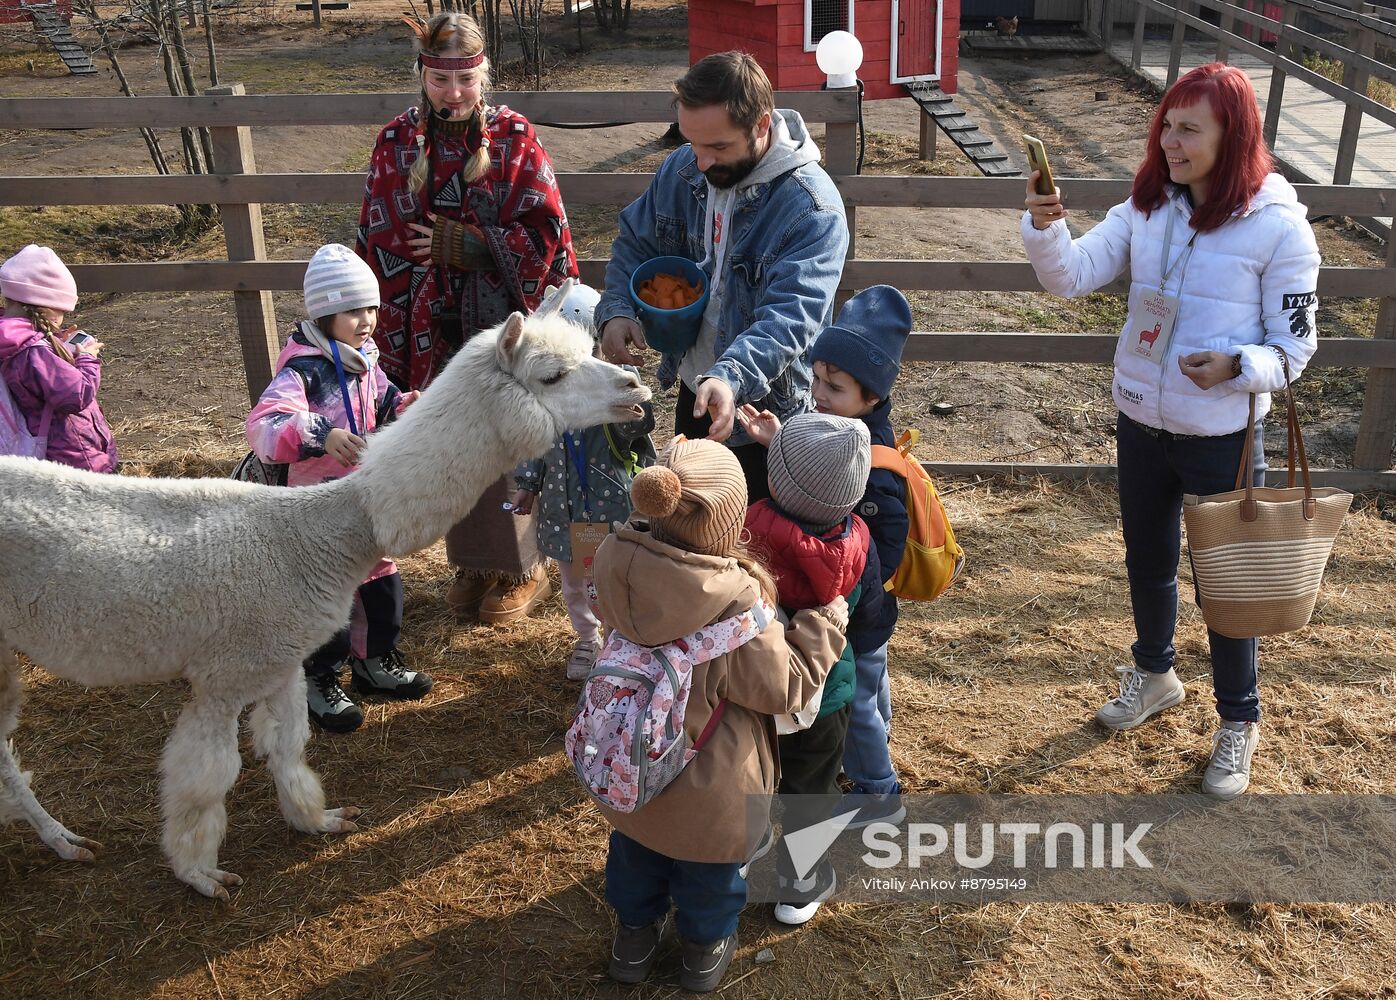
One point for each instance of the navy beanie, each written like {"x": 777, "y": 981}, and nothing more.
{"x": 867, "y": 338}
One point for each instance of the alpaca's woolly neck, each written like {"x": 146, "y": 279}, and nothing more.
{"x": 415, "y": 485}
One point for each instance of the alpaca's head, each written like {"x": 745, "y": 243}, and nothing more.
{"x": 504, "y": 399}
{"x": 551, "y": 358}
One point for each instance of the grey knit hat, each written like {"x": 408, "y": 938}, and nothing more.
{"x": 818, "y": 467}
{"x": 337, "y": 280}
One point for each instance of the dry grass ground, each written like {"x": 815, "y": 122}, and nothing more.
{"x": 479, "y": 868}
{"x": 478, "y": 871}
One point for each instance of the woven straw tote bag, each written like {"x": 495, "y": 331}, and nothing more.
{"x": 1258, "y": 553}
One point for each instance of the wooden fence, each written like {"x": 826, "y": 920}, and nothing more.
{"x": 1363, "y": 32}
{"x": 239, "y": 191}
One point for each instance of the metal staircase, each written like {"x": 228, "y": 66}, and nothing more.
{"x": 52, "y": 26}
{"x": 954, "y": 121}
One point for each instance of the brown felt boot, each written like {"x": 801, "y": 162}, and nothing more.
{"x": 511, "y": 600}
{"x": 466, "y": 593}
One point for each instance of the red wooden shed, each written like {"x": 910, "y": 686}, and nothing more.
{"x": 12, "y": 13}
{"x": 903, "y": 40}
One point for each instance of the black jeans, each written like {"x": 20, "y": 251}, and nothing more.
{"x": 382, "y": 604}
{"x": 809, "y": 771}
{"x": 751, "y": 456}
{"x": 1155, "y": 472}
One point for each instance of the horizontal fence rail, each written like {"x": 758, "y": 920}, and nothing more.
{"x": 239, "y": 193}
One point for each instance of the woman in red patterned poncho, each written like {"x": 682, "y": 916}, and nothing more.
{"x": 463, "y": 223}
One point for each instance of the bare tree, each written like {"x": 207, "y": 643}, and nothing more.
{"x": 612, "y": 15}
{"x": 528, "y": 18}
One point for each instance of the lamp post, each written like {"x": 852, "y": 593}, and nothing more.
{"x": 839, "y": 54}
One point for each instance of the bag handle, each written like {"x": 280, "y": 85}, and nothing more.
{"x": 1294, "y": 443}
{"x": 713, "y": 720}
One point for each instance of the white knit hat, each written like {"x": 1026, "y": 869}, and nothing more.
{"x": 337, "y": 280}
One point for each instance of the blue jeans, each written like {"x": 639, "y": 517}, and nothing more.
{"x": 866, "y": 759}
{"x": 1155, "y": 472}
{"x": 640, "y": 883}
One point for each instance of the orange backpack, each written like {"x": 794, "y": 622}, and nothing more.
{"x": 932, "y": 558}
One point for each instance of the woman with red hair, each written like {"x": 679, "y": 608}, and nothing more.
{"x": 1223, "y": 269}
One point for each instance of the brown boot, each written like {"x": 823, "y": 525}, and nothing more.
{"x": 466, "y": 592}
{"x": 510, "y": 600}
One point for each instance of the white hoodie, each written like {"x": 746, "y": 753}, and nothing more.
{"x": 788, "y": 150}
{"x": 1249, "y": 288}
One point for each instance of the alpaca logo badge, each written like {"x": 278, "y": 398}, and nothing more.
{"x": 1149, "y": 336}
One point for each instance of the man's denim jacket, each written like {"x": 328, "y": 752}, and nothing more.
{"x": 785, "y": 258}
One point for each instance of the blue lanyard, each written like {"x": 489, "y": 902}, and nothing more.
{"x": 343, "y": 387}
{"x": 577, "y": 454}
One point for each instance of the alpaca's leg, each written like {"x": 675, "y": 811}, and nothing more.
{"x": 280, "y": 728}
{"x": 16, "y": 799}
{"x": 199, "y": 766}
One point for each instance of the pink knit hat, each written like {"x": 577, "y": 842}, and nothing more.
{"x": 36, "y": 277}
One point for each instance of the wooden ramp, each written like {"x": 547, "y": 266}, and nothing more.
{"x": 954, "y": 121}
{"x": 51, "y": 25}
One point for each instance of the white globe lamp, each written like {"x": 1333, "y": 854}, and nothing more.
{"x": 839, "y": 54}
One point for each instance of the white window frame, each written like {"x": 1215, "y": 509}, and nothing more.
{"x": 809, "y": 23}
{"x": 892, "y": 68}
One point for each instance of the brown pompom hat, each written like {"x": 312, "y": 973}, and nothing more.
{"x": 694, "y": 497}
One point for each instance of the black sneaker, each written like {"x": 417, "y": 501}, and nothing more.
{"x": 330, "y": 708}
{"x": 704, "y": 965}
{"x": 801, "y": 898}
{"x": 388, "y": 674}
{"x": 633, "y": 951}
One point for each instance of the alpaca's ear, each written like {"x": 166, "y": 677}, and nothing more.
{"x": 509, "y": 338}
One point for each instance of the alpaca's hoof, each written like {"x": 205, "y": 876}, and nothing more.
{"x": 210, "y": 881}
{"x": 338, "y": 820}
{"x": 70, "y": 847}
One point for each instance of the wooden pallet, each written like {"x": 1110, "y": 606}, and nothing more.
{"x": 992, "y": 43}
{"x": 954, "y": 121}
{"x": 51, "y": 25}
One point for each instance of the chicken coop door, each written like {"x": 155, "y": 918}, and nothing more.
{"x": 915, "y": 40}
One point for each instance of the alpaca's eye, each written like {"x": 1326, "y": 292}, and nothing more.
{"x": 553, "y": 379}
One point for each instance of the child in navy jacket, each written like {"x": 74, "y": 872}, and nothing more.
{"x": 856, "y": 362}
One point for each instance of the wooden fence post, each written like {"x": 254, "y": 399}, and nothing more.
{"x": 1228, "y": 27}
{"x": 1283, "y": 48}
{"x": 1377, "y": 432}
{"x": 841, "y": 160}
{"x": 242, "y": 230}
{"x": 1363, "y": 41}
{"x": 1175, "y": 49}
{"x": 1136, "y": 54}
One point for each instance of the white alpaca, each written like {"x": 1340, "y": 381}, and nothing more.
{"x": 120, "y": 580}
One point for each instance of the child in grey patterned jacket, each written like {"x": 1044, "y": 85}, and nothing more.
{"x": 584, "y": 479}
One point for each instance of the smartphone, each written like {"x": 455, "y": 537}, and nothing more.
{"x": 1037, "y": 160}
{"x": 79, "y": 338}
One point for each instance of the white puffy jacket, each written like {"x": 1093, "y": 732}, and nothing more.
{"x": 1249, "y": 288}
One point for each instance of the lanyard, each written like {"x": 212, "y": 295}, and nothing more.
{"x": 576, "y": 453}
{"x": 343, "y": 387}
{"x": 1182, "y": 257}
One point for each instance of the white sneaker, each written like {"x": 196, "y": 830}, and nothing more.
{"x": 583, "y": 658}
{"x": 1228, "y": 773}
{"x": 1142, "y": 694}
{"x": 809, "y": 895}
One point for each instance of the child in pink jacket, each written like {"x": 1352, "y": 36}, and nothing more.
{"x": 327, "y": 396}
{"x": 52, "y": 380}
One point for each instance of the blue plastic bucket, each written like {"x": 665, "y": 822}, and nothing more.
{"x": 670, "y": 331}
